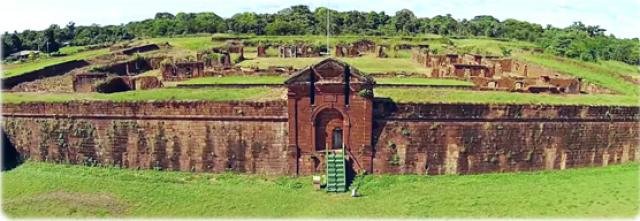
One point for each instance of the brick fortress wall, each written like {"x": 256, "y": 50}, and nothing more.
{"x": 469, "y": 139}
{"x": 252, "y": 137}
{"x": 189, "y": 136}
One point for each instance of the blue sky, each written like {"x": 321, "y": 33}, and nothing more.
{"x": 619, "y": 17}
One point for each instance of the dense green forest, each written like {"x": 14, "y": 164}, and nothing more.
{"x": 585, "y": 42}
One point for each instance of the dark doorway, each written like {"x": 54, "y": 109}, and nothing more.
{"x": 329, "y": 134}
{"x": 10, "y": 156}
{"x": 337, "y": 138}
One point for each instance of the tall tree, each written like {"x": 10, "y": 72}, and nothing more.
{"x": 14, "y": 42}
{"x": 405, "y": 21}
{"x": 48, "y": 42}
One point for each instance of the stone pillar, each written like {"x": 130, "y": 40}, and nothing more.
{"x": 262, "y": 51}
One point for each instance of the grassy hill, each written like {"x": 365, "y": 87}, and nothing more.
{"x": 45, "y": 190}
{"x": 14, "y": 69}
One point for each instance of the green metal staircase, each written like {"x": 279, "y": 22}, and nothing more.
{"x": 336, "y": 171}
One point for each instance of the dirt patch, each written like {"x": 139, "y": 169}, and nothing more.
{"x": 62, "y": 203}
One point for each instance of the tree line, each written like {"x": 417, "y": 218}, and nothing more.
{"x": 586, "y": 42}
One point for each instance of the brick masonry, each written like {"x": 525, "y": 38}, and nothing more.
{"x": 187, "y": 136}
{"x": 253, "y": 137}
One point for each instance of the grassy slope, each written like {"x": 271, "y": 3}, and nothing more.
{"x": 21, "y": 68}
{"x": 256, "y": 94}
{"x": 607, "y": 74}
{"x": 193, "y": 43}
{"x": 431, "y": 95}
{"x": 490, "y": 46}
{"x": 41, "y": 189}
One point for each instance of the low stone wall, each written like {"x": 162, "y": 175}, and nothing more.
{"x": 140, "y": 49}
{"x": 127, "y": 67}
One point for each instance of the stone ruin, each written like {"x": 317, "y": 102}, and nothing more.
{"x": 224, "y": 54}
{"x": 298, "y": 50}
{"x": 182, "y": 70}
{"x": 86, "y": 82}
{"x": 496, "y": 73}
{"x": 291, "y": 50}
{"x": 262, "y": 50}
{"x": 329, "y": 105}
{"x": 215, "y": 59}
{"x": 356, "y": 49}
{"x": 235, "y": 46}
{"x": 146, "y": 82}
{"x": 124, "y": 49}
{"x": 109, "y": 83}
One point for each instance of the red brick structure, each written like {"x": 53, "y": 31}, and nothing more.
{"x": 329, "y": 106}
{"x": 146, "y": 82}
{"x": 493, "y": 73}
{"x": 262, "y": 50}
{"x": 182, "y": 71}
{"x": 87, "y": 82}
{"x": 254, "y": 137}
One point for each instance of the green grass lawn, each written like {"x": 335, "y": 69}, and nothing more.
{"x": 21, "y": 68}
{"x": 422, "y": 81}
{"x": 620, "y": 67}
{"x": 69, "y": 50}
{"x": 367, "y": 64}
{"x": 265, "y": 63}
{"x": 490, "y": 46}
{"x": 192, "y": 43}
{"x": 237, "y": 80}
{"x": 49, "y": 190}
{"x": 607, "y": 75}
{"x": 280, "y": 79}
{"x": 211, "y": 94}
{"x": 417, "y": 95}
{"x": 433, "y": 95}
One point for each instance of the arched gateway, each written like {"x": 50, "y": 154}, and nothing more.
{"x": 330, "y": 105}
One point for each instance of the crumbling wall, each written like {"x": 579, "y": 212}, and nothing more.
{"x": 146, "y": 82}
{"x": 49, "y": 71}
{"x": 114, "y": 84}
{"x": 60, "y": 83}
{"x": 140, "y": 49}
{"x": 253, "y": 137}
{"x": 127, "y": 67}
{"x": 87, "y": 82}
{"x": 469, "y": 139}
{"x": 182, "y": 71}
{"x": 187, "y": 136}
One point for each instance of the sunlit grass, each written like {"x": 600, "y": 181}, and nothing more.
{"x": 605, "y": 76}
{"x": 421, "y": 81}
{"x": 237, "y": 80}
{"x": 367, "y": 64}
{"x": 432, "y": 95}
{"x": 48, "y": 190}
{"x": 13, "y": 69}
{"x": 211, "y": 94}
